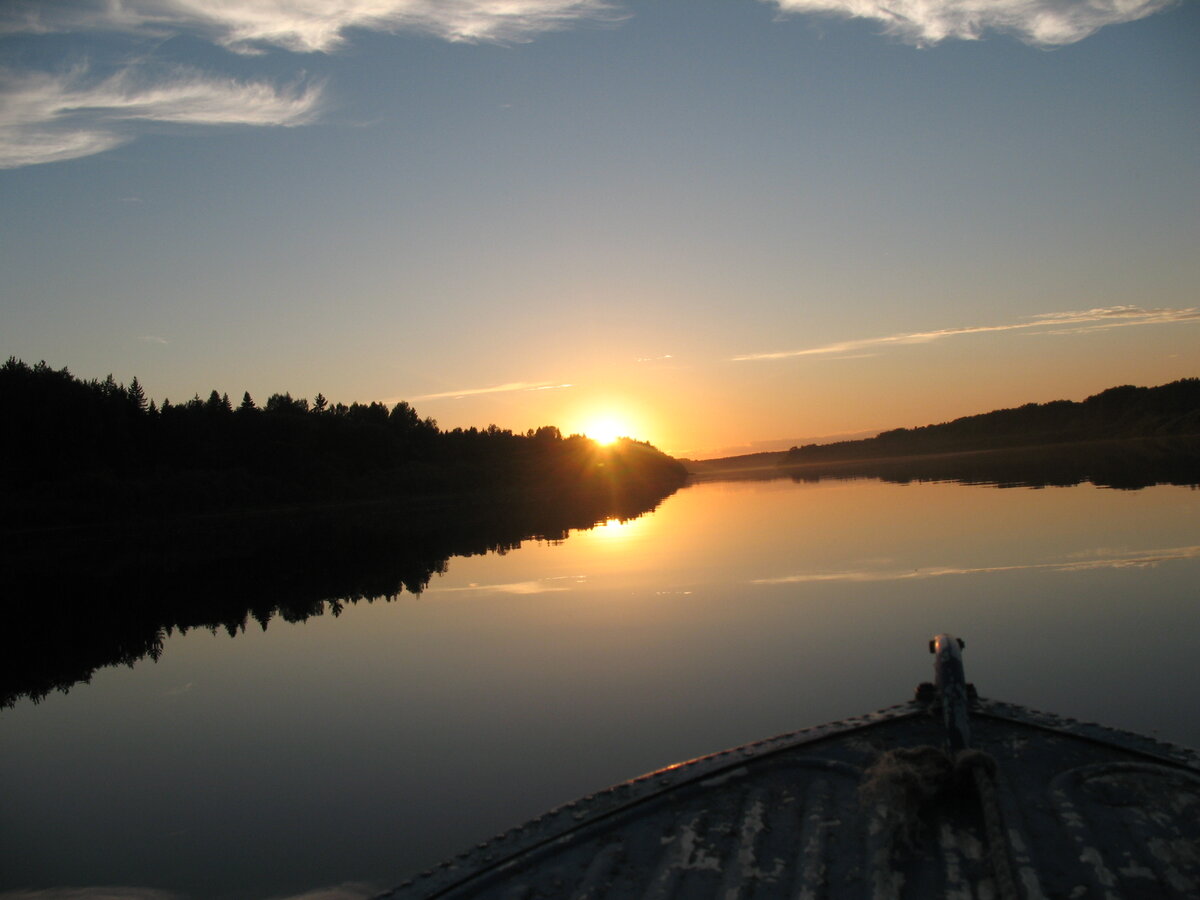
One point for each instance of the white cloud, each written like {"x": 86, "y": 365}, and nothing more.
{"x": 495, "y": 389}
{"x": 1125, "y": 560}
{"x": 1044, "y": 23}
{"x": 1070, "y": 322}
{"x": 54, "y": 117}
{"x": 307, "y": 26}
{"x": 1089, "y": 320}
{"x": 47, "y": 118}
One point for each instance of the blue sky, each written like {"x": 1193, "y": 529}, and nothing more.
{"x": 719, "y": 223}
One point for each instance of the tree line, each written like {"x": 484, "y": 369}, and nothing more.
{"x": 125, "y": 520}
{"x": 1167, "y": 411}
{"x": 98, "y": 449}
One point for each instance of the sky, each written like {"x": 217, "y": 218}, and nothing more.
{"x": 717, "y": 225}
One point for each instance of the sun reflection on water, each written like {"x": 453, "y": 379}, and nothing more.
{"x": 616, "y": 530}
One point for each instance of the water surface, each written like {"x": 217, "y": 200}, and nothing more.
{"x": 364, "y": 747}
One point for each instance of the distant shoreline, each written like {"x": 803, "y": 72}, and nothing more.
{"x": 766, "y": 466}
{"x": 1156, "y": 428}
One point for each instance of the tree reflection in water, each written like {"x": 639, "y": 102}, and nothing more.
{"x": 1120, "y": 464}
{"x": 85, "y": 600}
{"x": 91, "y": 600}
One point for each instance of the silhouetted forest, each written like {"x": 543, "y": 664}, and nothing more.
{"x": 125, "y": 521}
{"x": 98, "y": 451}
{"x": 1162, "y": 413}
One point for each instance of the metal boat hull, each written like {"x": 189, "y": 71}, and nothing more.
{"x": 1083, "y": 811}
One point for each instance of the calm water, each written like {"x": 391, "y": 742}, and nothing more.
{"x": 352, "y": 751}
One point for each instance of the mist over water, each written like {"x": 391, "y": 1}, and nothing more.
{"x": 352, "y": 750}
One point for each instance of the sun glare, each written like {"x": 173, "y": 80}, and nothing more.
{"x": 605, "y": 431}
{"x": 616, "y": 531}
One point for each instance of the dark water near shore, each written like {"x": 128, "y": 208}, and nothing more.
{"x": 353, "y": 750}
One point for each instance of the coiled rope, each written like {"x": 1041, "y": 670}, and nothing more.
{"x": 909, "y": 785}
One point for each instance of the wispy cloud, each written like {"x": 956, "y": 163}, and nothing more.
{"x": 153, "y": 339}
{"x": 307, "y": 26}
{"x": 1120, "y": 560}
{"x": 51, "y": 117}
{"x": 510, "y": 387}
{"x": 1086, "y": 321}
{"x": 48, "y": 118}
{"x": 1070, "y": 322}
{"x": 1044, "y": 23}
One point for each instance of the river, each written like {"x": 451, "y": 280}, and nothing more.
{"x": 346, "y": 752}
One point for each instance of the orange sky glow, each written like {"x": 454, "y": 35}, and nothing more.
{"x": 719, "y": 227}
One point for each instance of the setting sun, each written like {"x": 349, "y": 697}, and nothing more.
{"x": 605, "y": 431}
{"x": 608, "y": 417}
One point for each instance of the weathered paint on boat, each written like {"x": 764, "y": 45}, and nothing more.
{"x": 1039, "y": 807}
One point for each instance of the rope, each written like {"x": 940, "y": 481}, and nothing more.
{"x": 983, "y": 771}
{"x": 906, "y": 783}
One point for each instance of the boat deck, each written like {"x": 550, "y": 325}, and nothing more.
{"x": 872, "y": 806}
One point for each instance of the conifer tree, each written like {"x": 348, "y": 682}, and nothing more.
{"x": 136, "y": 395}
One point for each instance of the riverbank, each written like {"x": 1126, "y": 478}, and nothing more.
{"x": 1118, "y": 463}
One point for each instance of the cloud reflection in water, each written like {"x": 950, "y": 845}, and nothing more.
{"x": 1129, "y": 559}
{"x": 538, "y": 586}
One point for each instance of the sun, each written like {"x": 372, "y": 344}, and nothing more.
{"x": 605, "y": 431}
